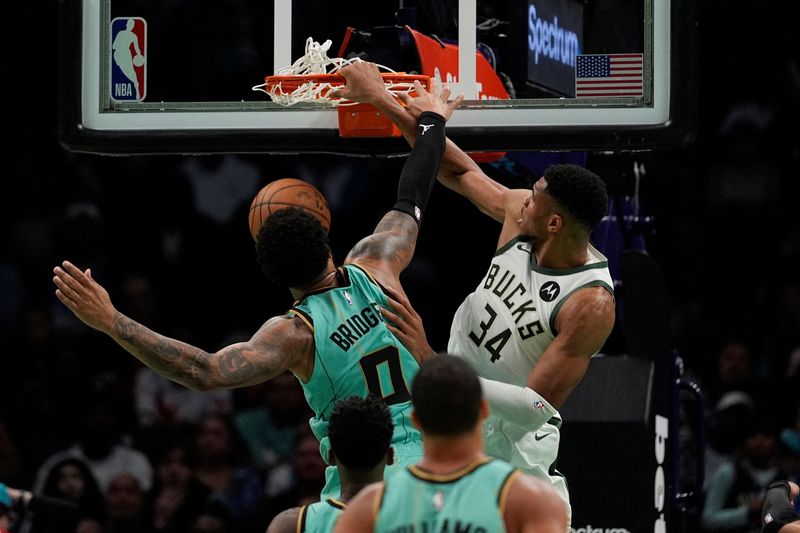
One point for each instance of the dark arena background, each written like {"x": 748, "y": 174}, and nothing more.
{"x": 703, "y": 238}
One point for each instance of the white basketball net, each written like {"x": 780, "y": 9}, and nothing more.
{"x": 316, "y": 61}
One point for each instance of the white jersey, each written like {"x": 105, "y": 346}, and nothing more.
{"x": 509, "y": 321}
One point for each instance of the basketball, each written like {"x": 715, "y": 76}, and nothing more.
{"x": 138, "y": 60}
{"x": 287, "y": 192}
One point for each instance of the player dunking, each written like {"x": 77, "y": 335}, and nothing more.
{"x": 455, "y": 487}
{"x": 334, "y": 339}
{"x": 545, "y": 305}
{"x": 360, "y": 431}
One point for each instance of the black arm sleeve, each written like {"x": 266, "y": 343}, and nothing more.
{"x": 421, "y": 167}
{"x": 778, "y": 509}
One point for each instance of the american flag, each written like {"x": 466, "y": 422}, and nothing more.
{"x": 608, "y": 75}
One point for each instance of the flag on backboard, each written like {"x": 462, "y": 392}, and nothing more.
{"x": 608, "y": 75}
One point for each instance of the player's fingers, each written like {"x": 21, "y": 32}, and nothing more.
{"x": 397, "y": 300}
{"x": 341, "y": 92}
{"x": 66, "y": 289}
{"x": 392, "y": 319}
{"x": 75, "y": 273}
{"x": 66, "y": 300}
{"x": 69, "y": 280}
{"x": 403, "y": 310}
{"x": 453, "y": 104}
{"x": 419, "y": 88}
{"x": 445, "y": 94}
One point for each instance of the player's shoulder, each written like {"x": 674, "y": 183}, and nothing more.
{"x": 286, "y": 521}
{"x": 549, "y": 508}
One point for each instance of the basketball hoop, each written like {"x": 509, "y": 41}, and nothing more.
{"x": 308, "y": 81}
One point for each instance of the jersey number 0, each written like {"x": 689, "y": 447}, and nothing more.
{"x": 384, "y": 375}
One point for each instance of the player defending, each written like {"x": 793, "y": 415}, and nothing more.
{"x": 545, "y": 306}
{"x": 455, "y": 487}
{"x": 334, "y": 340}
{"x": 360, "y": 430}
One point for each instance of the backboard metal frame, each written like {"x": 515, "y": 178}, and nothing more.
{"x": 88, "y": 123}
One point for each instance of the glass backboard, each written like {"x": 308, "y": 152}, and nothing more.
{"x": 147, "y": 76}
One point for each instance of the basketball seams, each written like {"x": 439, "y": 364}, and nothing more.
{"x": 277, "y": 195}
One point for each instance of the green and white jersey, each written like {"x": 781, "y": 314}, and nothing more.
{"x": 506, "y": 324}
{"x": 319, "y": 517}
{"x": 355, "y": 354}
{"x": 472, "y": 499}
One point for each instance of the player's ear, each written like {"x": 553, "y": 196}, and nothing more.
{"x": 390, "y": 456}
{"x": 415, "y": 420}
{"x": 483, "y": 411}
{"x": 555, "y": 223}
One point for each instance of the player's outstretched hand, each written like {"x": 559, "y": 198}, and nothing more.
{"x": 436, "y": 100}
{"x": 84, "y": 296}
{"x": 364, "y": 83}
{"x": 406, "y": 324}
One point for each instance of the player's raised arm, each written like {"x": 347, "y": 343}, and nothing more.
{"x": 280, "y": 344}
{"x": 458, "y": 171}
{"x": 389, "y": 249}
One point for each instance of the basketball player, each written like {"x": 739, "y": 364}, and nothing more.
{"x": 545, "y": 306}
{"x": 360, "y": 430}
{"x": 778, "y": 515}
{"x": 455, "y": 487}
{"x": 334, "y": 339}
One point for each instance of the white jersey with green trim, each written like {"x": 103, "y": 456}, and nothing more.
{"x": 506, "y": 324}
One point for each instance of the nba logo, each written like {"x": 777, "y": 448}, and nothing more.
{"x": 128, "y": 59}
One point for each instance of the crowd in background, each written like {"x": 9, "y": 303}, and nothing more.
{"x": 81, "y": 419}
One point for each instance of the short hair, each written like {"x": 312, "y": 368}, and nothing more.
{"x": 360, "y": 431}
{"x": 579, "y": 191}
{"x": 446, "y": 394}
{"x": 292, "y": 247}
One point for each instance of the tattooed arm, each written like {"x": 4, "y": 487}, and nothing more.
{"x": 388, "y": 251}
{"x": 281, "y": 344}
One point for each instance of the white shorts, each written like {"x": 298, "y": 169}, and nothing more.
{"x": 532, "y": 452}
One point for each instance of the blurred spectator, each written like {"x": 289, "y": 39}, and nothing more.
{"x": 727, "y": 422}
{"x": 221, "y": 183}
{"x": 789, "y": 452}
{"x": 735, "y": 495}
{"x": 213, "y": 518}
{"x": 161, "y": 403}
{"x": 71, "y": 480}
{"x": 100, "y": 446}
{"x": 18, "y": 506}
{"x": 734, "y": 372}
{"x": 125, "y": 504}
{"x": 177, "y": 497}
{"x": 270, "y": 429}
{"x": 222, "y": 466}
{"x": 304, "y": 483}
{"x": 9, "y": 459}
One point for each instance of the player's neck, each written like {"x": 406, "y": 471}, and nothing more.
{"x": 327, "y": 279}
{"x": 444, "y": 455}
{"x": 354, "y": 480}
{"x": 564, "y": 252}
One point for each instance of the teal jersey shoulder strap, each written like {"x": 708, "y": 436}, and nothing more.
{"x": 471, "y": 499}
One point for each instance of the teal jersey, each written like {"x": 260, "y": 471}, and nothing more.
{"x": 472, "y": 499}
{"x": 355, "y": 354}
{"x": 319, "y": 517}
